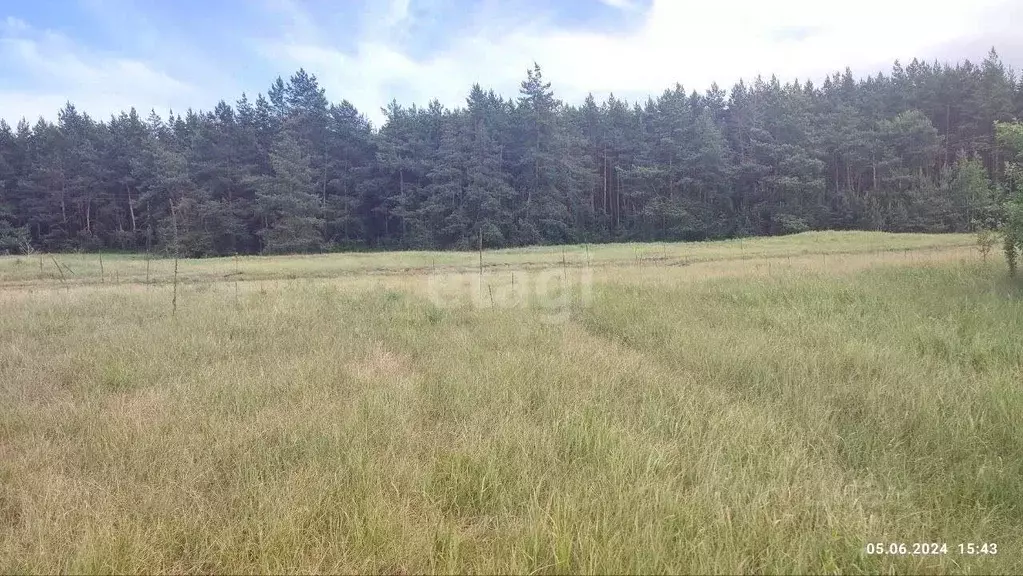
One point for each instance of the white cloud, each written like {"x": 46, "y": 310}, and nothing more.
{"x": 13, "y": 25}
{"x": 297, "y": 23}
{"x": 397, "y": 12}
{"x": 620, "y": 4}
{"x": 691, "y": 43}
{"x": 50, "y": 69}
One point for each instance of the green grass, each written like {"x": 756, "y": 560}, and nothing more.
{"x": 114, "y": 268}
{"x": 770, "y": 409}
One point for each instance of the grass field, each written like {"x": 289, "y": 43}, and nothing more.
{"x": 771, "y": 405}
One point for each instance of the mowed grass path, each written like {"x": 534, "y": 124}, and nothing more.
{"x": 769, "y": 408}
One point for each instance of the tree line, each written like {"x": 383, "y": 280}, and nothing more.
{"x": 911, "y": 150}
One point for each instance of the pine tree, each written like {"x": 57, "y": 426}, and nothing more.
{"x": 543, "y": 212}
{"x": 14, "y": 237}
{"x": 351, "y": 153}
{"x": 288, "y": 202}
{"x": 489, "y": 195}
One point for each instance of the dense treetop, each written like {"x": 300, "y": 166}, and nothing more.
{"x": 913, "y": 150}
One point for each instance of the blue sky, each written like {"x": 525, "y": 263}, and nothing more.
{"x": 108, "y": 55}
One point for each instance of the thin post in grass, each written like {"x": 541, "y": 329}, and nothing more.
{"x": 149, "y": 249}
{"x": 481, "y": 263}
{"x": 63, "y": 280}
{"x": 174, "y": 298}
{"x": 236, "y": 273}
{"x": 102, "y": 274}
{"x": 587, "y": 246}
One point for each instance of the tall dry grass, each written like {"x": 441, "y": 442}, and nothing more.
{"x": 771, "y": 412}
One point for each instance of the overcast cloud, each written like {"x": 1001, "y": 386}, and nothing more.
{"x": 108, "y": 56}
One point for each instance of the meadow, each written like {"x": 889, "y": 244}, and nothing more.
{"x": 769, "y": 405}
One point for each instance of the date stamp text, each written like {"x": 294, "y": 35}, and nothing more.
{"x": 930, "y": 548}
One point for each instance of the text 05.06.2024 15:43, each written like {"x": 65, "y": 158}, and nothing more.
{"x": 930, "y": 548}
